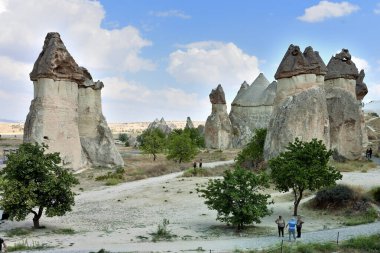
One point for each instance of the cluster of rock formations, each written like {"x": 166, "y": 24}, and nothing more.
{"x": 160, "y": 124}
{"x": 309, "y": 100}
{"x": 66, "y": 112}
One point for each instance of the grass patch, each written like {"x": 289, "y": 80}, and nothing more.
{"x": 112, "y": 178}
{"x": 162, "y": 233}
{"x": 198, "y": 172}
{"x": 368, "y": 216}
{"x": 64, "y": 231}
{"x": 17, "y": 232}
{"x": 25, "y": 245}
{"x": 350, "y": 166}
{"x": 367, "y": 243}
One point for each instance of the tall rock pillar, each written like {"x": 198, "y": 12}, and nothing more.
{"x": 345, "y": 114}
{"x": 218, "y": 129}
{"x": 300, "y": 109}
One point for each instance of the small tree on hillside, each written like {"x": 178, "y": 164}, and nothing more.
{"x": 196, "y": 137}
{"x": 304, "y": 166}
{"x": 236, "y": 198}
{"x": 123, "y": 137}
{"x": 33, "y": 182}
{"x": 180, "y": 147}
{"x": 153, "y": 141}
{"x": 252, "y": 155}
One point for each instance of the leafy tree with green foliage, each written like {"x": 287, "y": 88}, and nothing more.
{"x": 304, "y": 166}
{"x": 33, "y": 181}
{"x": 123, "y": 137}
{"x": 195, "y": 136}
{"x": 180, "y": 147}
{"x": 236, "y": 198}
{"x": 152, "y": 141}
{"x": 252, "y": 155}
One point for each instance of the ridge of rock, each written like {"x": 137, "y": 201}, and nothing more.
{"x": 361, "y": 87}
{"x": 56, "y": 63}
{"x": 295, "y": 63}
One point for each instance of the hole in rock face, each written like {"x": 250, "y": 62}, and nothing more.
{"x": 46, "y": 138}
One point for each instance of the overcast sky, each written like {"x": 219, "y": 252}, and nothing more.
{"x": 161, "y": 58}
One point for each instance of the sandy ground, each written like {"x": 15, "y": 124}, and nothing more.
{"x": 109, "y": 217}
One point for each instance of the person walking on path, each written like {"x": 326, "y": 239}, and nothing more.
{"x": 299, "y": 226}
{"x": 280, "y": 225}
{"x": 194, "y": 165}
{"x": 200, "y": 163}
{"x": 292, "y": 228}
{"x": 2, "y": 244}
{"x": 370, "y": 153}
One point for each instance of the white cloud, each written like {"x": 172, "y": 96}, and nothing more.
{"x": 170, "y": 13}
{"x": 361, "y": 63}
{"x": 78, "y": 22}
{"x": 133, "y": 100}
{"x": 14, "y": 70}
{"x": 211, "y": 63}
{"x": 326, "y": 9}
{"x": 377, "y": 9}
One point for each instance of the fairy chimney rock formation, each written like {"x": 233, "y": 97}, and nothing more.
{"x": 62, "y": 113}
{"x": 347, "y": 130}
{"x": 300, "y": 109}
{"x": 189, "y": 123}
{"x": 361, "y": 88}
{"x": 251, "y": 109}
{"x": 160, "y": 124}
{"x": 218, "y": 128}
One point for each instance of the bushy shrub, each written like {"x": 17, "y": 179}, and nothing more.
{"x": 335, "y": 196}
{"x": 376, "y": 194}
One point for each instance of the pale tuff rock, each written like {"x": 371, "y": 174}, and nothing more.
{"x": 361, "y": 88}
{"x": 295, "y": 63}
{"x": 66, "y": 111}
{"x": 189, "y": 123}
{"x": 218, "y": 127}
{"x": 300, "y": 109}
{"x": 251, "y": 109}
{"x": 347, "y": 131}
{"x": 160, "y": 124}
{"x": 341, "y": 66}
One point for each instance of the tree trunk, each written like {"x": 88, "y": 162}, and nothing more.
{"x": 154, "y": 157}
{"x": 297, "y": 201}
{"x": 36, "y": 218}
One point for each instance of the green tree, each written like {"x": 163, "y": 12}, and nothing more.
{"x": 196, "y": 137}
{"x": 152, "y": 141}
{"x": 304, "y": 166}
{"x": 252, "y": 155}
{"x": 236, "y": 198}
{"x": 180, "y": 147}
{"x": 33, "y": 181}
{"x": 123, "y": 137}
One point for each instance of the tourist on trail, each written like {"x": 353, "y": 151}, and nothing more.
{"x": 292, "y": 228}
{"x": 367, "y": 153}
{"x": 280, "y": 225}
{"x": 200, "y": 163}
{"x": 370, "y": 153}
{"x": 299, "y": 226}
{"x": 194, "y": 165}
{"x": 2, "y": 244}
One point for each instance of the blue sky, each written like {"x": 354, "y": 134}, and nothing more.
{"x": 161, "y": 58}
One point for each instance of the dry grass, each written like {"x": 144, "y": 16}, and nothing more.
{"x": 351, "y": 166}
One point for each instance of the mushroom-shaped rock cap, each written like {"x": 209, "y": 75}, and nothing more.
{"x": 341, "y": 66}
{"x": 295, "y": 63}
{"x": 361, "y": 87}
{"x": 55, "y": 62}
{"x": 217, "y": 96}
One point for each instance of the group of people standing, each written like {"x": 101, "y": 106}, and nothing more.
{"x": 195, "y": 164}
{"x": 368, "y": 153}
{"x": 293, "y": 224}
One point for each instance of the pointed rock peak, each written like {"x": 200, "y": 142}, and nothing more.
{"x": 55, "y": 62}
{"x": 162, "y": 120}
{"x": 361, "y": 87}
{"x": 217, "y": 96}
{"x": 295, "y": 63}
{"x": 189, "y": 123}
{"x": 243, "y": 88}
{"x": 341, "y": 66}
{"x": 260, "y": 80}
{"x": 244, "y": 85}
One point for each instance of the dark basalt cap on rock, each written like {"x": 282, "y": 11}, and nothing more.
{"x": 55, "y": 62}
{"x": 361, "y": 87}
{"x": 296, "y": 63}
{"x": 217, "y": 96}
{"x": 341, "y": 66}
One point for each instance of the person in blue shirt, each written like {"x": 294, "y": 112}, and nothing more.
{"x": 292, "y": 228}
